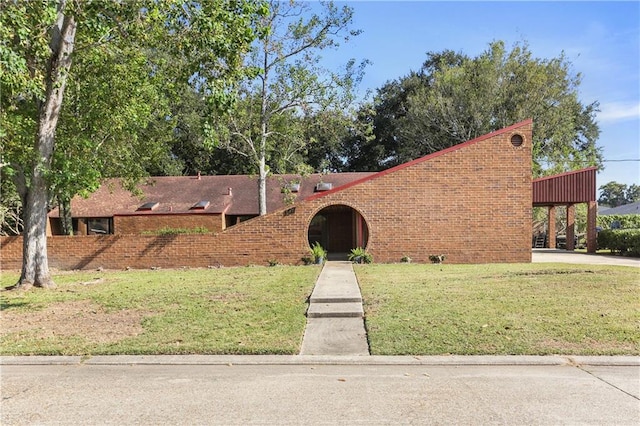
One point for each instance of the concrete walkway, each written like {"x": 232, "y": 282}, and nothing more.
{"x": 335, "y": 323}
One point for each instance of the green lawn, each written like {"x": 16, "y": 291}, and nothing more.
{"x": 409, "y": 308}
{"x": 254, "y": 310}
{"x": 501, "y": 309}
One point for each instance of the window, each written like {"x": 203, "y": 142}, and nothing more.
{"x": 99, "y": 226}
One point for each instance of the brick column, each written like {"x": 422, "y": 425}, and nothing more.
{"x": 592, "y": 238}
{"x": 571, "y": 226}
{"x": 551, "y": 232}
{"x": 82, "y": 227}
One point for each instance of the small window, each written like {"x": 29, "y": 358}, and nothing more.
{"x": 200, "y": 205}
{"x": 152, "y": 205}
{"x": 99, "y": 226}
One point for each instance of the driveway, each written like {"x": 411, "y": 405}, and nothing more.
{"x": 564, "y": 256}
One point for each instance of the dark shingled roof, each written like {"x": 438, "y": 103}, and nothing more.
{"x": 631, "y": 208}
{"x": 179, "y": 194}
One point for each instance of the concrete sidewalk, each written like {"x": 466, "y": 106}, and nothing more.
{"x": 335, "y": 323}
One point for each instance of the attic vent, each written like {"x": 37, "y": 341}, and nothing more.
{"x": 324, "y": 186}
{"x": 149, "y": 206}
{"x": 517, "y": 140}
{"x": 200, "y": 205}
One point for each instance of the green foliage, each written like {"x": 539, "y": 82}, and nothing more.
{"x": 318, "y": 253}
{"x": 626, "y": 221}
{"x": 266, "y": 126}
{"x": 360, "y": 255}
{"x": 624, "y": 241}
{"x": 10, "y": 208}
{"x": 455, "y": 98}
{"x": 633, "y": 193}
{"x": 90, "y": 82}
{"x": 614, "y": 194}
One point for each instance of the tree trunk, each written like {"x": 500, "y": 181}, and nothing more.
{"x": 262, "y": 187}
{"x": 262, "y": 149}
{"x": 35, "y": 264}
{"x": 66, "y": 221}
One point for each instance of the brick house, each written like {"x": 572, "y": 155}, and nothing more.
{"x": 471, "y": 202}
{"x": 209, "y": 203}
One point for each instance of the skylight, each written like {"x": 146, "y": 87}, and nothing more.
{"x": 200, "y": 205}
{"x": 149, "y": 206}
{"x": 324, "y": 186}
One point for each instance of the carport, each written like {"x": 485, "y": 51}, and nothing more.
{"x": 568, "y": 189}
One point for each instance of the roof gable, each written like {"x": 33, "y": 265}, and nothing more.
{"x": 425, "y": 158}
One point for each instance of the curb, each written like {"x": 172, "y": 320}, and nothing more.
{"x": 230, "y": 360}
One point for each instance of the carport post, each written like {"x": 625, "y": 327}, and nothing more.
{"x": 571, "y": 227}
{"x": 592, "y": 238}
{"x": 551, "y": 219}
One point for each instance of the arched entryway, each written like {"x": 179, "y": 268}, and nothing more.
{"x": 338, "y": 228}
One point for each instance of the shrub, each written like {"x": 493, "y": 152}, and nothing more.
{"x": 360, "y": 255}
{"x": 437, "y": 258}
{"x": 318, "y": 253}
{"x": 626, "y": 221}
{"x": 625, "y": 241}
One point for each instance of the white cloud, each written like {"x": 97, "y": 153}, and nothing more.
{"x": 619, "y": 111}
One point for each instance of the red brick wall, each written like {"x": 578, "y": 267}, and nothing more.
{"x": 471, "y": 203}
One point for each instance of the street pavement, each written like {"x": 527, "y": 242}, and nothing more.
{"x": 299, "y": 390}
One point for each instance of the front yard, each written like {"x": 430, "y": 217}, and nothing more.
{"x": 530, "y": 309}
{"x": 409, "y": 308}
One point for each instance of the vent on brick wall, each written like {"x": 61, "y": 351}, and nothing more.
{"x": 324, "y": 186}
{"x": 200, "y": 205}
{"x": 517, "y": 140}
{"x": 152, "y": 205}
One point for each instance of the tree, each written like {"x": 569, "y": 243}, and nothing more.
{"x": 289, "y": 83}
{"x": 455, "y": 98}
{"x": 632, "y": 194}
{"x": 39, "y": 40}
{"x": 614, "y": 194}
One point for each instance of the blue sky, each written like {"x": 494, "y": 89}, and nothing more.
{"x": 600, "y": 39}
